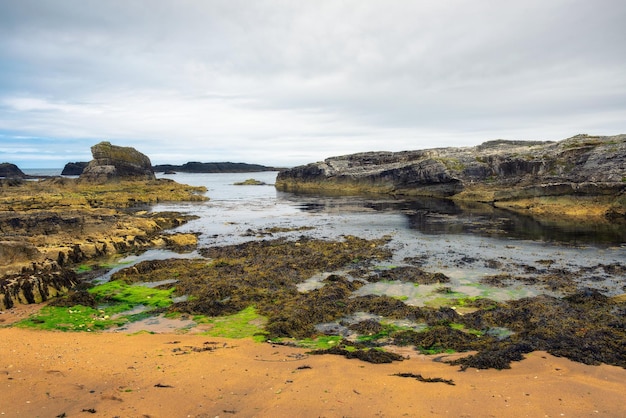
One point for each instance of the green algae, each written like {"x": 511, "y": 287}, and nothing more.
{"x": 112, "y": 300}
{"x": 122, "y": 296}
{"x": 76, "y": 318}
{"x": 244, "y": 324}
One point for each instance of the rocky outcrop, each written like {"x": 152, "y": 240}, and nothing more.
{"x": 498, "y": 172}
{"x": 11, "y": 171}
{"x": 35, "y": 286}
{"x": 511, "y": 169}
{"x": 51, "y": 226}
{"x": 74, "y": 169}
{"x": 111, "y": 162}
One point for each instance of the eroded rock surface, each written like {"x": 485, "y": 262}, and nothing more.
{"x": 113, "y": 162}
{"x": 49, "y": 227}
{"x": 587, "y": 167}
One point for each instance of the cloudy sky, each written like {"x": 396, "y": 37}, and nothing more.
{"x": 291, "y": 82}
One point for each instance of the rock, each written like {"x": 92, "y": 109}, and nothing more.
{"x": 35, "y": 286}
{"x": 11, "y": 171}
{"x": 111, "y": 162}
{"x": 496, "y": 170}
{"x": 74, "y": 169}
{"x": 250, "y": 182}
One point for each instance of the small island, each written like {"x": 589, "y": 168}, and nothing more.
{"x": 250, "y": 182}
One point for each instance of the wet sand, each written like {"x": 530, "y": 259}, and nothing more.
{"x": 50, "y": 374}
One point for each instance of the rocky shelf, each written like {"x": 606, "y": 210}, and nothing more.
{"x": 52, "y": 226}
{"x": 519, "y": 175}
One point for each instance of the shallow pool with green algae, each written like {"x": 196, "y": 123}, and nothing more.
{"x": 115, "y": 302}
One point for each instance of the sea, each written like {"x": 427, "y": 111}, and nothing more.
{"x": 464, "y": 243}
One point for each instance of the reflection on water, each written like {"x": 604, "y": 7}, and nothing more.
{"x": 443, "y": 216}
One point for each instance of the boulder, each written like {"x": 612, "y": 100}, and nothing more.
{"x": 112, "y": 162}
{"x": 74, "y": 169}
{"x": 11, "y": 171}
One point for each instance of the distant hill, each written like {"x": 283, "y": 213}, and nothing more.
{"x": 225, "y": 167}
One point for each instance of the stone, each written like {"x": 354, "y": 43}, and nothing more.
{"x": 74, "y": 169}
{"x": 11, "y": 171}
{"x": 112, "y": 162}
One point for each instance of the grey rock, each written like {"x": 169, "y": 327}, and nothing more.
{"x": 581, "y": 165}
{"x": 74, "y": 169}
{"x": 11, "y": 171}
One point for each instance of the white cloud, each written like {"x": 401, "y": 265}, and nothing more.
{"x": 291, "y": 82}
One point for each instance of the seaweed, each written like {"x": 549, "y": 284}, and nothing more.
{"x": 495, "y": 357}
{"x": 369, "y": 355}
{"x": 409, "y": 274}
{"x": 440, "y": 338}
{"x": 421, "y": 378}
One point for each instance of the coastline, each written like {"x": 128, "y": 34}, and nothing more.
{"x": 108, "y": 374}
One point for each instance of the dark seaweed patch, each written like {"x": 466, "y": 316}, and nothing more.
{"x": 368, "y": 355}
{"x": 421, "y": 378}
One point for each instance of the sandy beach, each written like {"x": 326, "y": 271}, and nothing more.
{"x": 56, "y": 374}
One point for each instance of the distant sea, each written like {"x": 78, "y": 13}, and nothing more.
{"x": 42, "y": 171}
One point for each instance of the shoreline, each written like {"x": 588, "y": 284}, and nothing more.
{"x": 159, "y": 375}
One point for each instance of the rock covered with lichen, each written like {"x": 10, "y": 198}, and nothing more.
{"x": 581, "y": 164}
{"x": 584, "y": 171}
{"x": 112, "y": 162}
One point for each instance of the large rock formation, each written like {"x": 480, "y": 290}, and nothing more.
{"x": 111, "y": 162}
{"x": 494, "y": 171}
{"x": 74, "y": 169}
{"x": 11, "y": 171}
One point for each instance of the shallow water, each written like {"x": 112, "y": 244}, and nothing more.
{"x": 465, "y": 245}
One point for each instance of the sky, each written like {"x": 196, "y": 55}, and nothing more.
{"x": 284, "y": 83}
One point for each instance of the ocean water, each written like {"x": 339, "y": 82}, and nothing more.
{"x": 466, "y": 245}
{"x": 42, "y": 171}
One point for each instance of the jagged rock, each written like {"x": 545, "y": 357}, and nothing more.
{"x": 11, "y": 171}
{"x": 496, "y": 170}
{"x": 74, "y": 169}
{"x": 35, "y": 286}
{"x": 111, "y": 162}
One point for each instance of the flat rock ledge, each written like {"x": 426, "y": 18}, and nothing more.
{"x": 498, "y": 172}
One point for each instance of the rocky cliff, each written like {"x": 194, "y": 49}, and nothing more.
{"x": 111, "y": 162}
{"x": 495, "y": 171}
